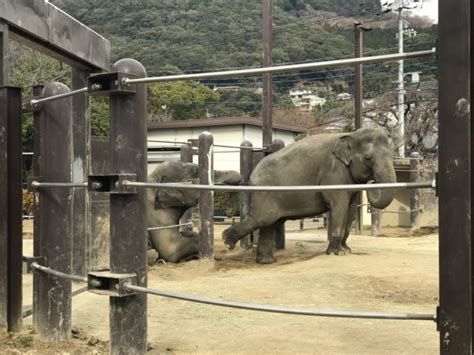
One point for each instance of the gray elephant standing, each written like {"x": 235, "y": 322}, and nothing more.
{"x": 328, "y": 159}
{"x": 165, "y": 207}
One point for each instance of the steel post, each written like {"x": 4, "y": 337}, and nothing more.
{"x": 11, "y": 206}
{"x": 186, "y": 155}
{"x": 455, "y": 181}
{"x": 267, "y": 34}
{"x": 245, "y": 171}
{"x": 53, "y": 319}
{"x": 37, "y": 89}
{"x": 128, "y": 234}
{"x": 414, "y": 194}
{"x": 81, "y": 236}
{"x": 278, "y": 227}
{"x": 206, "y": 198}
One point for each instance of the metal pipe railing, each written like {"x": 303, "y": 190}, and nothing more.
{"x": 59, "y": 274}
{"x": 283, "y": 310}
{"x": 37, "y": 184}
{"x": 190, "y": 224}
{"x": 349, "y": 187}
{"x": 36, "y": 102}
{"x": 282, "y": 68}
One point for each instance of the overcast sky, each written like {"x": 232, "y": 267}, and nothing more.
{"x": 429, "y": 9}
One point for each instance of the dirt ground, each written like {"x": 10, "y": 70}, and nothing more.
{"x": 383, "y": 274}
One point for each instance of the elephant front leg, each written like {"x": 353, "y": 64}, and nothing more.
{"x": 337, "y": 227}
{"x": 265, "y": 246}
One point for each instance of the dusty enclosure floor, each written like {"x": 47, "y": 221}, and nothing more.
{"x": 383, "y": 274}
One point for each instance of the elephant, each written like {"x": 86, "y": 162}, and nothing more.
{"x": 165, "y": 207}
{"x": 359, "y": 157}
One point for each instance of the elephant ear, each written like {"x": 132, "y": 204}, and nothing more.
{"x": 343, "y": 149}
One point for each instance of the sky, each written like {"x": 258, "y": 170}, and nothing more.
{"x": 429, "y": 9}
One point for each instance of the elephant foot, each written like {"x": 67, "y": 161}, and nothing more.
{"x": 267, "y": 259}
{"x": 336, "y": 248}
{"x": 229, "y": 239}
{"x": 346, "y": 247}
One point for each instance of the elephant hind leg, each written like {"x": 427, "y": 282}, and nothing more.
{"x": 239, "y": 230}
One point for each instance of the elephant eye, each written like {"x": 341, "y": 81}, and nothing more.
{"x": 368, "y": 158}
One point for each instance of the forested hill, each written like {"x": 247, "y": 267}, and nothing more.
{"x": 171, "y": 36}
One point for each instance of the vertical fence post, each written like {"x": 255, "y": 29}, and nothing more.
{"x": 128, "y": 234}
{"x": 245, "y": 171}
{"x": 279, "y": 227}
{"x": 53, "y": 318}
{"x": 81, "y": 238}
{"x": 415, "y": 193}
{"x": 186, "y": 156}
{"x": 206, "y": 198}
{"x": 37, "y": 89}
{"x": 455, "y": 180}
{"x": 11, "y": 209}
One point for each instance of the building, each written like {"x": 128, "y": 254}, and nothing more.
{"x": 226, "y": 131}
{"x": 305, "y": 99}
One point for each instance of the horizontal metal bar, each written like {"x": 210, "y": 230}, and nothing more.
{"x": 284, "y": 310}
{"x": 283, "y": 68}
{"x": 28, "y": 310}
{"x": 56, "y": 273}
{"x": 215, "y": 145}
{"x": 27, "y": 153}
{"x": 190, "y": 224}
{"x": 36, "y": 102}
{"x": 353, "y": 187}
{"x": 37, "y": 184}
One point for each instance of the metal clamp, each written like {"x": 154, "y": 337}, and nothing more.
{"x": 28, "y": 260}
{"x": 110, "y": 83}
{"x": 30, "y": 185}
{"x": 111, "y": 183}
{"x": 110, "y": 284}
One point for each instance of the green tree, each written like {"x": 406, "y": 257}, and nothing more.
{"x": 179, "y": 100}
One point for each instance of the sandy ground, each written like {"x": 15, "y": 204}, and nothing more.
{"x": 382, "y": 274}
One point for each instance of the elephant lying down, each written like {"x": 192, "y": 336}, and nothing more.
{"x": 328, "y": 159}
{"x": 165, "y": 207}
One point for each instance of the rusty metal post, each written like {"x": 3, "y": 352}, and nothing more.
{"x": 37, "y": 89}
{"x": 455, "y": 180}
{"x": 206, "y": 198}
{"x": 278, "y": 227}
{"x": 10, "y": 204}
{"x": 267, "y": 33}
{"x": 81, "y": 237}
{"x": 415, "y": 193}
{"x": 358, "y": 97}
{"x": 257, "y": 155}
{"x": 245, "y": 171}
{"x": 128, "y": 234}
{"x": 53, "y": 318}
{"x": 186, "y": 155}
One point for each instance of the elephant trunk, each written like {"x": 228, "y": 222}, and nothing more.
{"x": 380, "y": 199}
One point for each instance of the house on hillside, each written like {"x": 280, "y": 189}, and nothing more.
{"x": 226, "y": 131}
{"x": 305, "y": 99}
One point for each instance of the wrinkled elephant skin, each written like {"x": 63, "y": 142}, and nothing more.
{"x": 165, "y": 207}
{"x": 327, "y": 159}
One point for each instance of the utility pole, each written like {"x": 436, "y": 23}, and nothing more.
{"x": 401, "y": 88}
{"x": 267, "y": 78}
{"x": 359, "y": 30}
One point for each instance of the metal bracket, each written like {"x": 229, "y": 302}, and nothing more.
{"x": 438, "y": 321}
{"x": 110, "y": 83}
{"x": 110, "y": 284}
{"x": 111, "y": 183}
{"x": 28, "y": 260}
{"x": 437, "y": 184}
{"x": 30, "y": 179}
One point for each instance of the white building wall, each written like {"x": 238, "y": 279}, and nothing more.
{"x": 224, "y": 158}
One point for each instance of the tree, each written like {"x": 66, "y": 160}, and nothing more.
{"x": 179, "y": 100}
